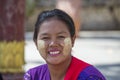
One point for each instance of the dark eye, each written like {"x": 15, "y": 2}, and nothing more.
{"x": 45, "y": 38}
{"x": 61, "y": 37}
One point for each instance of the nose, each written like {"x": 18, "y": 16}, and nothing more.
{"x": 53, "y": 43}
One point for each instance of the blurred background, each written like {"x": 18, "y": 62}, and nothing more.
{"x": 97, "y": 25}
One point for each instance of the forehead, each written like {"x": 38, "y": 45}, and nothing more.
{"x": 53, "y": 25}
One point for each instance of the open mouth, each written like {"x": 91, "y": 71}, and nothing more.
{"x": 54, "y": 52}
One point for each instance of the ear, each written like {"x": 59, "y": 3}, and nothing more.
{"x": 73, "y": 40}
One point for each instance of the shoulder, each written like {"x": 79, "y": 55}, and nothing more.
{"x": 41, "y": 68}
{"x": 35, "y": 72}
{"x": 91, "y": 73}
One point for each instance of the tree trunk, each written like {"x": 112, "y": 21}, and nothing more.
{"x": 12, "y": 35}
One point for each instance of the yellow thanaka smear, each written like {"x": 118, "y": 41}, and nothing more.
{"x": 67, "y": 46}
{"x": 41, "y": 46}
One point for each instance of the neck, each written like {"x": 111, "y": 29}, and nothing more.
{"x": 58, "y": 71}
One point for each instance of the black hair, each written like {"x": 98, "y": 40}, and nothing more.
{"x": 56, "y": 13}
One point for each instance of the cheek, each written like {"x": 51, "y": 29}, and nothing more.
{"x": 67, "y": 46}
{"x": 41, "y": 46}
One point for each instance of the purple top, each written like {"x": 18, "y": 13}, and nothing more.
{"x": 42, "y": 73}
{"x": 91, "y": 73}
{"x": 38, "y": 73}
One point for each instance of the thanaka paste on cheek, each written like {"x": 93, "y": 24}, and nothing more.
{"x": 41, "y": 46}
{"x": 67, "y": 46}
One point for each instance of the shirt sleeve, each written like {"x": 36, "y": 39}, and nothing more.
{"x": 91, "y": 73}
{"x": 27, "y": 76}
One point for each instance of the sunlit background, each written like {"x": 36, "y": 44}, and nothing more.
{"x": 97, "y": 25}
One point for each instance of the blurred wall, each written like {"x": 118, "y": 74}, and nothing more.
{"x": 100, "y": 15}
{"x": 94, "y": 14}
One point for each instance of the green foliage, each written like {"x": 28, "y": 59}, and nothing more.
{"x": 30, "y": 6}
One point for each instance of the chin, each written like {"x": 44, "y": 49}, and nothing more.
{"x": 55, "y": 62}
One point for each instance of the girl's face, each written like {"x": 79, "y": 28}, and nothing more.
{"x": 54, "y": 41}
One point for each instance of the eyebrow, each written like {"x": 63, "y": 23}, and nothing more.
{"x": 44, "y": 33}
{"x": 62, "y": 32}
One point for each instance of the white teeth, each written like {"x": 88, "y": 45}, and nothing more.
{"x": 56, "y": 52}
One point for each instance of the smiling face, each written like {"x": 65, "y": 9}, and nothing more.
{"x": 54, "y": 41}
